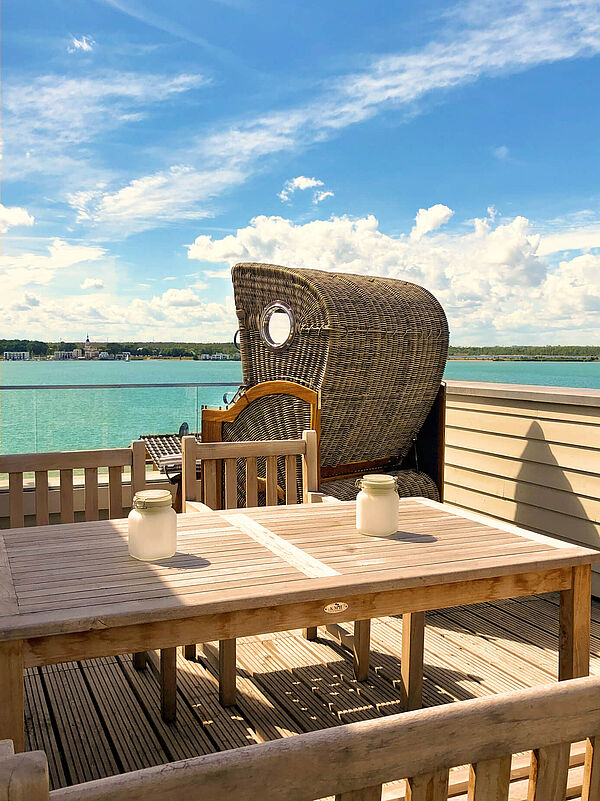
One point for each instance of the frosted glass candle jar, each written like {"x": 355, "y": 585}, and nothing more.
{"x": 377, "y": 506}
{"x": 152, "y": 526}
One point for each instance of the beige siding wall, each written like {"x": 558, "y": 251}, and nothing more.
{"x": 529, "y": 455}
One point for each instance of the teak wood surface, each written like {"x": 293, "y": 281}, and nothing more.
{"x": 70, "y": 592}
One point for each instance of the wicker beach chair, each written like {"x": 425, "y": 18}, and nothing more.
{"x": 356, "y": 357}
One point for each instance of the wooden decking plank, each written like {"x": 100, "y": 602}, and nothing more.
{"x": 182, "y": 739}
{"x": 39, "y": 731}
{"x": 121, "y": 710}
{"x": 79, "y": 726}
{"x": 274, "y": 676}
{"x": 226, "y": 727}
{"x": 269, "y": 721}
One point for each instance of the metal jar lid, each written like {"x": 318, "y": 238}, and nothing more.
{"x": 377, "y": 483}
{"x": 152, "y": 499}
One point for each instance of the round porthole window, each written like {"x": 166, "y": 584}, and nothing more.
{"x": 277, "y": 325}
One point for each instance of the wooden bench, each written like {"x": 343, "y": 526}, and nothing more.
{"x": 357, "y": 762}
{"x": 65, "y": 462}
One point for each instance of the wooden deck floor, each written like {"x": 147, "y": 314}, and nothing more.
{"x": 102, "y": 717}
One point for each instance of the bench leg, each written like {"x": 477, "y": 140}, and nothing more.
{"x": 12, "y": 694}
{"x": 310, "y": 633}
{"x": 361, "y": 646}
{"x": 189, "y": 651}
{"x": 168, "y": 684}
{"x": 413, "y": 632}
{"x": 227, "y": 691}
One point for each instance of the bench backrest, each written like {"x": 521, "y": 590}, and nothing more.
{"x": 352, "y": 762}
{"x": 65, "y": 462}
{"x": 224, "y": 463}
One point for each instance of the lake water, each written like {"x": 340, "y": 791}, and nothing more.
{"x": 70, "y": 419}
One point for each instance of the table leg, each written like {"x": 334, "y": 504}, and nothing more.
{"x": 361, "y": 645}
{"x": 168, "y": 684}
{"x": 310, "y": 633}
{"x": 189, "y": 651}
{"x": 12, "y": 694}
{"x": 413, "y": 632}
{"x": 227, "y": 691}
{"x": 139, "y": 660}
{"x": 574, "y": 626}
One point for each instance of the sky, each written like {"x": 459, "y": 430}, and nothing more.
{"x": 149, "y": 146}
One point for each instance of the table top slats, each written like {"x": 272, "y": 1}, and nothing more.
{"x": 79, "y": 576}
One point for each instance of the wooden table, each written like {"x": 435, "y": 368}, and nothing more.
{"x": 71, "y": 591}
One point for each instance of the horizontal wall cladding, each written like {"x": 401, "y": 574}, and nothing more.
{"x": 528, "y": 455}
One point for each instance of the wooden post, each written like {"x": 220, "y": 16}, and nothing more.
{"x": 139, "y": 660}
{"x": 227, "y": 690}
{"x": 360, "y": 648}
{"x": 574, "y": 626}
{"x": 310, "y": 633}
{"x": 12, "y": 694}
{"x": 188, "y": 476}
{"x": 24, "y": 777}
{"x": 549, "y": 773}
{"x": 411, "y": 666}
{"x": 591, "y": 773}
{"x": 428, "y": 787}
{"x": 310, "y": 464}
{"x": 489, "y": 780}
{"x": 168, "y": 684}
{"x": 138, "y": 466}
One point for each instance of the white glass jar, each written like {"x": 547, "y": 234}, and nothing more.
{"x": 152, "y": 526}
{"x": 377, "y": 505}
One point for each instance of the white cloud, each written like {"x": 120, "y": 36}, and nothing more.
{"x": 430, "y": 220}
{"x": 501, "y": 153}
{"x": 321, "y": 195}
{"x": 49, "y": 121}
{"x": 490, "y": 40}
{"x": 92, "y": 283}
{"x": 491, "y": 280}
{"x": 84, "y": 43}
{"x": 11, "y": 216}
{"x": 573, "y": 238}
{"x": 301, "y": 182}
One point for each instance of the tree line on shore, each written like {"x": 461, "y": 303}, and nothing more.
{"x": 196, "y": 349}
{"x": 169, "y": 350}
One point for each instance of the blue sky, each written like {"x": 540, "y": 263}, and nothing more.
{"x": 148, "y": 146}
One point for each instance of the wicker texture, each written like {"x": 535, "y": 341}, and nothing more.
{"x": 374, "y": 347}
{"x": 271, "y": 417}
{"x": 410, "y": 484}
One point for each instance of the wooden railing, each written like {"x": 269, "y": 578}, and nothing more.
{"x": 528, "y": 455}
{"x": 40, "y": 464}
{"x": 353, "y": 762}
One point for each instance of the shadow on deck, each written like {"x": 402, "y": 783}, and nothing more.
{"x": 102, "y": 717}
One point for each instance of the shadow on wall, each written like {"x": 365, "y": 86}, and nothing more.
{"x": 545, "y": 499}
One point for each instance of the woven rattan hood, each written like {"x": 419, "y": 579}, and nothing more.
{"x": 375, "y": 348}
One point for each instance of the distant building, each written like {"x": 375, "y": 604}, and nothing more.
{"x": 221, "y": 357}
{"x": 105, "y": 356}
{"x": 205, "y": 357}
{"x": 77, "y": 353}
{"x": 63, "y": 355}
{"x": 124, "y": 357}
{"x": 89, "y": 351}
{"x": 16, "y": 355}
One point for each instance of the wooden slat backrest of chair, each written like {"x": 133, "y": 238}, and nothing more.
{"x": 244, "y": 456}
{"x": 65, "y": 463}
{"x": 353, "y": 762}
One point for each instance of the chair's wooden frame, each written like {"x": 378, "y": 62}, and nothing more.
{"x": 353, "y": 762}
{"x": 212, "y": 456}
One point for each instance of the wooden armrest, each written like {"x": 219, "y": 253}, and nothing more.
{"x": 196, "y": 506}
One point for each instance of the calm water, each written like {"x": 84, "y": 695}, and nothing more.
{"x": 60, "y": 419}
